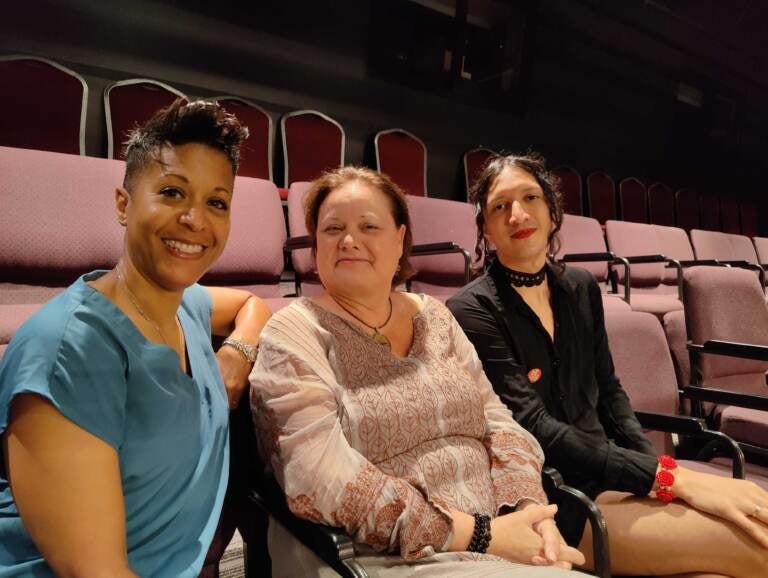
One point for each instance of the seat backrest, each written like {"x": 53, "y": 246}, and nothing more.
{"x": 644, "y": 366}
{"x": 627, "y": 239}
{"x": 44, "y": 103}
{"x": 761, "y": 248}
{"x": 727, "y": 304}
{"x": 256, "y": 152}
{"x": 687, "y": 209}
{"x": 131, "y": 102}
{"x": 474, "y": 161}
{"x": 711, "y": 245}
{"x": 569, "y": 183}
{"x": 729, "y": 215}
{"x": 633, "y": 200}
{"x": 742, "y": 248}
{"x": 435, "y": 221}
{"x": 57, "y": 221}
{"x": 312, "y": 143}
{"x": 583, "y": 235}
{"x": 601, "y": 192}
{"x": 661, "y": 205}
{"x": 403, "y": 156}
{"x": 748, "y": 216}
{"x": 674, "y": 244}
{"x": 253, "y": 257}
{"x": 710, "y": 212}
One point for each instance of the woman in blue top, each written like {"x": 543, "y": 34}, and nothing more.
{"x": 113, "y": 411}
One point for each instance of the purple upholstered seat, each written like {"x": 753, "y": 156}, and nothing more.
{"x": 649, "y": 292}
{"x": 584, "y": 235}
{"x": 253, "y": 257}
{"x": 601, "y": 193}
{"x": 661, "y": 205}
{"x": 569, "y": 183}
{"x": 644, "y": 368}
{"x": 729, "y": 305}
{"x": 761, "y": 248}
{"x": 633, "y": 200}
{"x": 437, "y": 221}
{"x": 306, "y": 279}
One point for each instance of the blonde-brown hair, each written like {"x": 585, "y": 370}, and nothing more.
{"x": 337, "y": 178}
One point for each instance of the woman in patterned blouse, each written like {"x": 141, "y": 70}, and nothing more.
{"x": 374, "y": 412}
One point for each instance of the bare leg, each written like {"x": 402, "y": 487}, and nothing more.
{"x": 650, "y": 538}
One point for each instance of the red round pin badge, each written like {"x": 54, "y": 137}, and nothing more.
{"x": 534, "y": 375}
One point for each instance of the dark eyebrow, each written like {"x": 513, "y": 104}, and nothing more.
{"x": 186, "y": 180}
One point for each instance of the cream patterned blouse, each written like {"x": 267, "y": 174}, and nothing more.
{"x": 383, "y": 445}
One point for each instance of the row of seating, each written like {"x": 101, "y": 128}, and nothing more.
{"x": 657, "y": 204}
{"x": 312, "y": 142}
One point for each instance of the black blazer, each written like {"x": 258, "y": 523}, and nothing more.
{"x": 565, "y": 393}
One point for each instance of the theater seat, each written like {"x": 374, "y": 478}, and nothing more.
{"x": 403, "y": 156}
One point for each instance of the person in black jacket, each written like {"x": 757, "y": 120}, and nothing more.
{"x": 539, "y": 330}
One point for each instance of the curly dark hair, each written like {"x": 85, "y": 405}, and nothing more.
{"x": 535, "y": 165}
{"x": 181, "y": 123}
{"x": 337, "y": 178}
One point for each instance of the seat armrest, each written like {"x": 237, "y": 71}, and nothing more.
{"x": 695, "y": 428}
{"x": 444, "y": 248}
{"x": 553, "y": 484}
{"x": 723, "y": 397}
{"x": 332, "y": 545}
{"x": 294, "y": 243}
{"x": 731, "y": 349}
{"x": 586, "y": 257}
{"x": 638, "y": 259}
{"x": 698, "y": 263}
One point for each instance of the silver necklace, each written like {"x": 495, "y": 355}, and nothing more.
{"x": 138, "y": 307}
{"x": 378, "y": 336}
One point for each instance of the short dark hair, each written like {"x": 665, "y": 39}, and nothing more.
{"x": 181, "y": 123}
{"x": 337, "y": 178}
{"x": 536, "y": 166}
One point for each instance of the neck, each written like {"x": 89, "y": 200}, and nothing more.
{"x": 523, "y": 265}
{"x": 372, "y": 307}
{"x": 159, "y": 304}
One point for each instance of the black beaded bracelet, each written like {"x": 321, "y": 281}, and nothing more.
{"x": 481, "y": 535}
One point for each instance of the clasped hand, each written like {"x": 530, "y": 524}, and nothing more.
{"x": 530, "y": 536}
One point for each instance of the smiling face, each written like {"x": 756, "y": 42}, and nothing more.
{"x": 177, "y": 214}
{"x": 358, "y": 243}
{"x": 517, "y": 220}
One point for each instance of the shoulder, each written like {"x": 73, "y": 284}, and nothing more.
{"x": 468, "y": 295}
{"x": 297, "y": 320}
{"x": 577, "y": 280}
{"x": 197, "y": 300}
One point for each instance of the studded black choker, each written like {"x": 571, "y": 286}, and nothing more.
{"x": 521, "y": 279}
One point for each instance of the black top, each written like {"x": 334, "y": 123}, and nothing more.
{"x": 576, "y": 407}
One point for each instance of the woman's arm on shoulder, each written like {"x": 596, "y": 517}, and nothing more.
{"x": 67, "y": 488}
{"x": 239, "y": 315}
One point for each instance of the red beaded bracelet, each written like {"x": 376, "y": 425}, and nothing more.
{"x": 666, "y": 479}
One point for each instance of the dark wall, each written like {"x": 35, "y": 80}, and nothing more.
{"x": 599, "y": 92}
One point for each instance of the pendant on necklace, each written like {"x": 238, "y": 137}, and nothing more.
{"x": 382, "y": 339}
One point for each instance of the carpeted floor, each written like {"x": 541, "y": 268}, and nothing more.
{"x": 231, "y": 564}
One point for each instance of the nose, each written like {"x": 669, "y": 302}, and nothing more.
{"x": 347, "y": 241}
{"x": 193, "y": 217}
{"x": 517, "y": 214}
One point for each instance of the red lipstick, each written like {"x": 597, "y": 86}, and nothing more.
{"x": 523, "y": 233}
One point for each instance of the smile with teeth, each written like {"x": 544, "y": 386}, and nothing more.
{"x": 188, "y": 248}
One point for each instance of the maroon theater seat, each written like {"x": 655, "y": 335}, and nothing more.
{"x": 44, "y": 103}
{"x": 580, "y": 235}
{"x": 403, "y": 156}
{"x": 633, "y": 200}
{"x": 729, "y": 215}
{"x": 131, "y": 102}
{"x": 474, "y": 161}
{"x": 749, "y": 222}
{"x": 761, "y": 248}
{"x": 639, "y": 241}
{"x": 661, "y": 205}
{"x": 710, "y": 212}
{"x": 644, "y": 368}
{"x": 312, "y": 144}
{"x": 256, "y": 153}
{"x": 601, "y": 192}
{"x": 687, "y": 209}
{"x": 569, "y": 183}
{"x": 444, "y": 270}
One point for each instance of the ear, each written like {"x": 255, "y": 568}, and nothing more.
{"x": 122, "y": 198}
